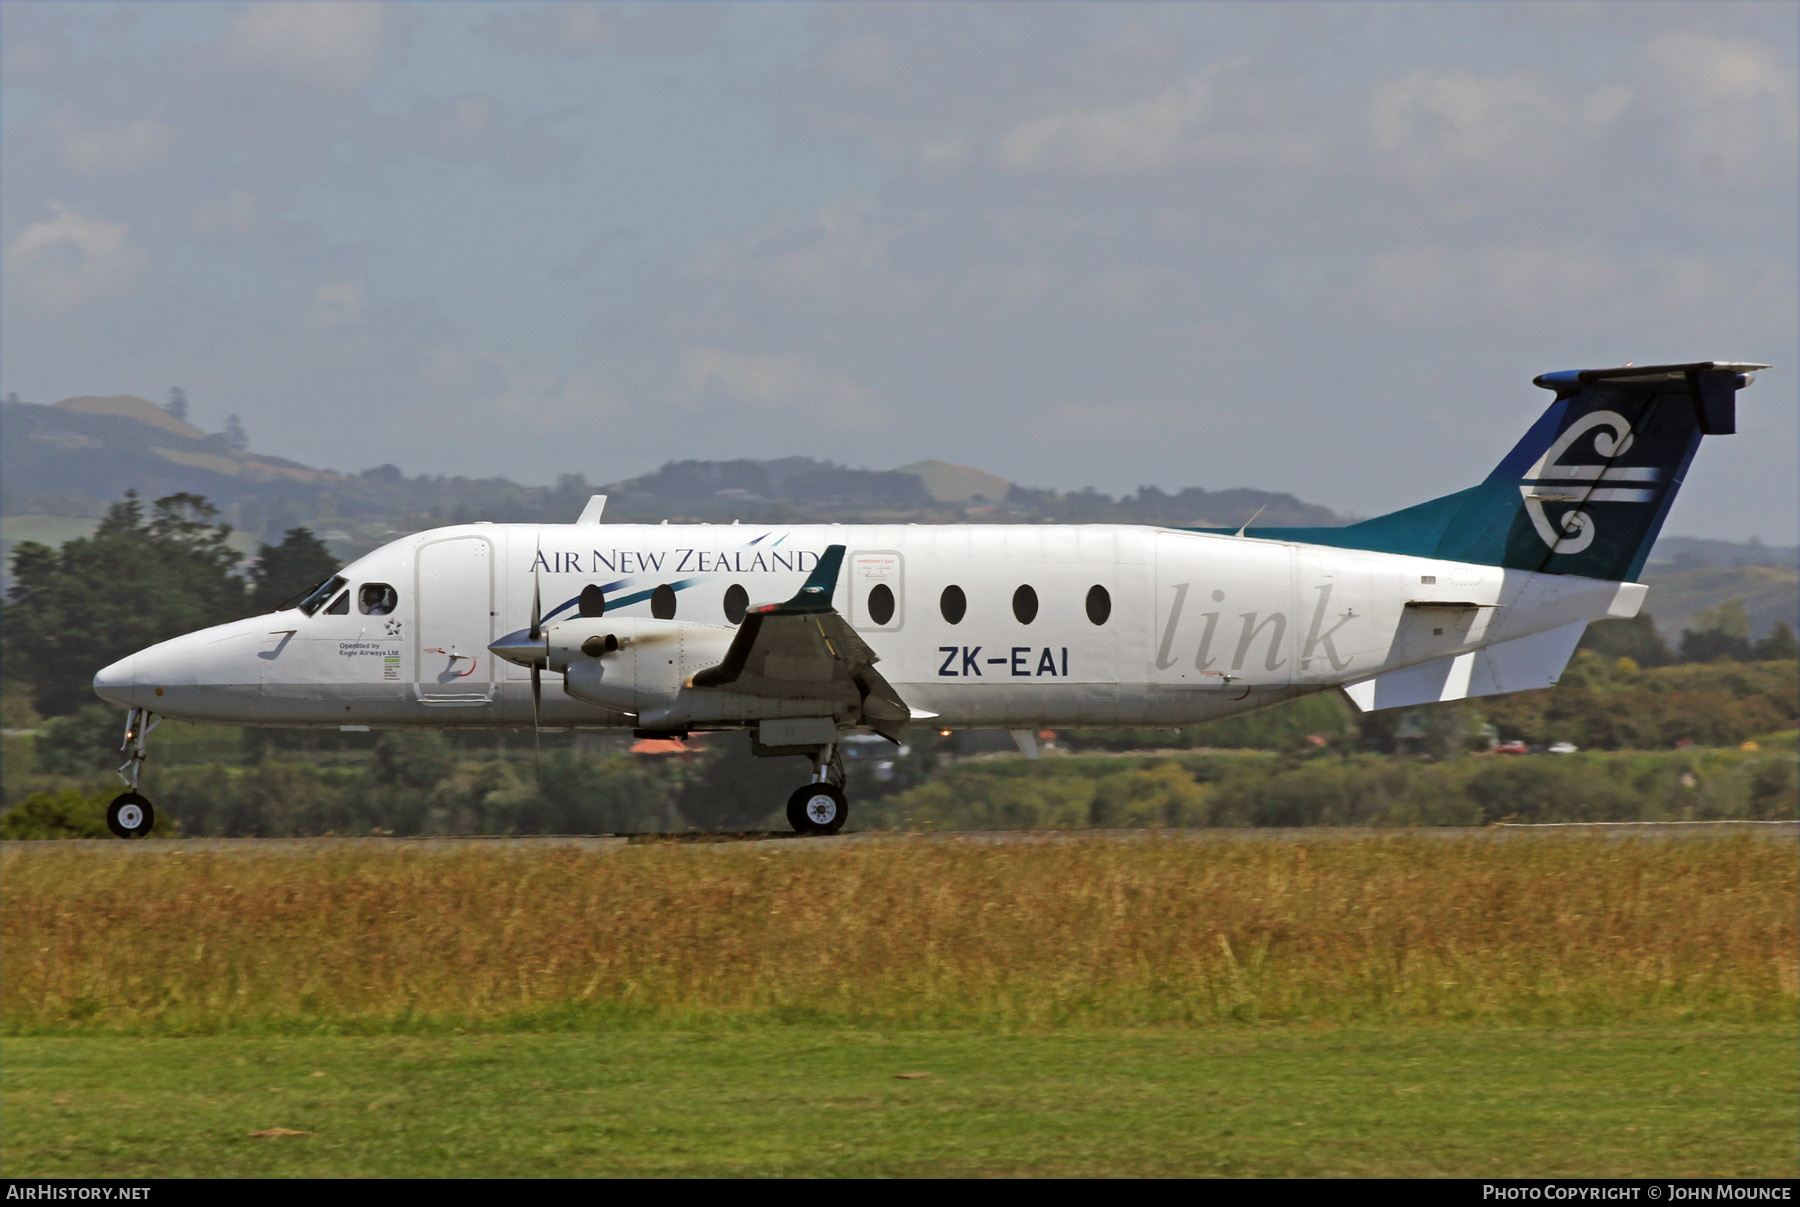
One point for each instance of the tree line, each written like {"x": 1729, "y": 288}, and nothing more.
{"x": 144, "y": 576}
{"x": 415, "y": 786}
{"x": 1238, "y": 790}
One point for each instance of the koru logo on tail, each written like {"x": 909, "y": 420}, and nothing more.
{"x": 1552, "y": 481}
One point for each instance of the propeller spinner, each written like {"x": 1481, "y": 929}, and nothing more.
{"x": 529, "y": 648}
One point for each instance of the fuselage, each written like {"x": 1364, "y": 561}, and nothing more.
{"x": 1005, "y": 626}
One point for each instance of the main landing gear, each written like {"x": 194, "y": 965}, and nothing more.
{"x": 821, "y": 807}
{"x": 130, "y": 815}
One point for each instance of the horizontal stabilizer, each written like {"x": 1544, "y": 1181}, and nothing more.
{"x": 1568, "y": 378}
{"x": 1507, "y": 666}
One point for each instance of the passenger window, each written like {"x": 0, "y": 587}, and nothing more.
{"x": 881, "y": 603}
{"x": 339, "y": 606}
{"x": 662, "y": 602}
{"x": 1025, "y": 605}
{"x": 377, "y": 599}
{"x": 953, "y": 604}
{"x": 593, "y": 601}
{"x": 737, "y": 602}
{"x": 1099, "y": 604}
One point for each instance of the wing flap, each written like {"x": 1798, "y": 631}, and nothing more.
{"x": 804, "y": 649}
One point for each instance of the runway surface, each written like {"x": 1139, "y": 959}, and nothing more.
{"x": 1784, "y": 830}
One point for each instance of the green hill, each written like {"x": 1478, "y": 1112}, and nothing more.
{"x": 1770, "y": 593}
{"x": 949, "y": 483}
{"x": 71, "y": 459}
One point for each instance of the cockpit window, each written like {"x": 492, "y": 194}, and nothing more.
{"x": 339, "y": 606}
{"x": 377, "y": 599}
{"x": 314, "y": 599}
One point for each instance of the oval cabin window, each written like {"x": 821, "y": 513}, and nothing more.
{"x": 1099, "y": 604}
{"x": 881, "y": 603}
{"x": 593, "y": 601}
{"x": 953, "y": 604}
{"x": 1025, "y": 605}
{"x": 662, "y": 602}
{"x": 737, "y": 602}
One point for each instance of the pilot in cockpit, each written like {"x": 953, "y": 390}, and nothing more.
{"x": 377, "y": 599}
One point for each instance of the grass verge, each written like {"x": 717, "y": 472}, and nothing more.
{"x": 1684, "y": 1101}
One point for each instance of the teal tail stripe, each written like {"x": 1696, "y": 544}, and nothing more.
{"x": 1585, "y": 492}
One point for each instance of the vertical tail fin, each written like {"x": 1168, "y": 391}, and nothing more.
{"x": 1585, "y": 492}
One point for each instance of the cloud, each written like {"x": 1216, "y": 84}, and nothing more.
{"x": 336, "y": 305}
{"x": 1684, "y": 281}
{"x": 1015, "y": 230}
{"x": 1073, "y": 424}
{"x": 123, "y": 147}
{"x": 232, "y": 215}
{"x": 562, "y": 403}
{"x": 1732, "y": 103}
{"x": 572, "y": 29}
{"x": 36, "y": 51}
{"x": 846, "y": 242}
{"x": 333, "y": 44}
{"x": 1221, "y": 114}
{"x": 936, "y": 86}
{"x": 474, "y": 128}
{"x": 1437, "y": 124}
{"x": 821, "y": 266}
{"x": 1417, "y": 284}
{"x": 1578, "y": 285}
{"x": 70, "y": 258}
{"x": 468, "y": 122}
{"x": 779, "y": 383}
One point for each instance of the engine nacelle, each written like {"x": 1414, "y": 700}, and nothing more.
{"x": 632, "y": 664}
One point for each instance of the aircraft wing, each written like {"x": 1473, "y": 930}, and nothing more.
{"x": 804, "y": 649}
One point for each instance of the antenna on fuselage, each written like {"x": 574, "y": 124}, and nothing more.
{"x": 1252, "y": 519}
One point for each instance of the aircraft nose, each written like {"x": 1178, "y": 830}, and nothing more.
{"x": 114, "y": 683}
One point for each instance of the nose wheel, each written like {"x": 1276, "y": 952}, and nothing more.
{"x": 130, "y": 815}
{"x": 817, "y": 809}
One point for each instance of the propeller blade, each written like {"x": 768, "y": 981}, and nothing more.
{"x": 537, "y": 742}
{"x": 537, "y": 605}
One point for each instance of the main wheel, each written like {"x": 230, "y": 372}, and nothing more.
{"x": 817, "y": 809}
{"x": 130, "y": 815}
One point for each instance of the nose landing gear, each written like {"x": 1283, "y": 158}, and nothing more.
{"x": 130, "y": 815}
{"x": 821, "y": 807}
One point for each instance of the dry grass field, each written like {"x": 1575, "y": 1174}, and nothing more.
{"x": 904, "y": 932}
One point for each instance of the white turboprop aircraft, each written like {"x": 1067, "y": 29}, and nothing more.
{"x": 803, "y": 633}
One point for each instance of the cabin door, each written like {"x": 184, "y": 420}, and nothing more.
{"x": 455, "y": 594}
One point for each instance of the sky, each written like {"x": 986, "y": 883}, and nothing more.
{"x": 1312, "y": 247}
